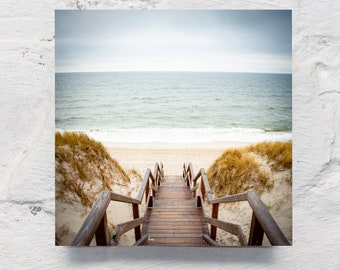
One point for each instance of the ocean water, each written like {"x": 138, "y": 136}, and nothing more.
{"x": 179, "y": 107}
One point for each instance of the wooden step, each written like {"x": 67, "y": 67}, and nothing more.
{"x": 186, "y": 242}
{"x": 174, "y": 219}
{"x": 177, "y": 231}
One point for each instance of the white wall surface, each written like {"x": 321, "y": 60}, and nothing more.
{"x": 27, "y": 146}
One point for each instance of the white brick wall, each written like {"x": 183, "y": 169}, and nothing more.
{"x": 27, "y": 149}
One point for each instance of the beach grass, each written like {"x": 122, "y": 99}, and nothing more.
{"x": 278, "y": 153}
{"x": 84, "y": 167}
{"x": 238, "y": 170}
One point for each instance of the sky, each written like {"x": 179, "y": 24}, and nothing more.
{"x": 164, "y": 40}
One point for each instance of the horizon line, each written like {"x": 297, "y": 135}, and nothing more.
{"x": 178, "y": 71}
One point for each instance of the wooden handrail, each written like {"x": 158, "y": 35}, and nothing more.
{"x": 125, "y": 227}
{"x": 262, "y": 220}
{"x": 143, "y": 185}
{"x": 266, "y": 220}
{"x": 210, "y": 241}
{"x": 228, "y": 227}
{"x": 96, "y": 221}
{"x": 142, "y": 240}
{"x": 89, "y": 227}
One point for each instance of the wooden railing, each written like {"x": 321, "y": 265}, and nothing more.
{"x": 96, "y": 222}
{"x": 262, "y": 221}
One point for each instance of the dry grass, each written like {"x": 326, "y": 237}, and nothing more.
{"x": 237, "y": 170}
{"x": 278, "y": 153}
{"x": 83, "y": 164}
{"x": 234, "y": 172}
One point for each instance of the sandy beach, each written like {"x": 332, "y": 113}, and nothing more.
{"x": 140, "y": 156}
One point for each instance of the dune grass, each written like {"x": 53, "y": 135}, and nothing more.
{"x": 80, "y": 160}
{"x": 278, "y": 153}
{"x": 237, "y": 170}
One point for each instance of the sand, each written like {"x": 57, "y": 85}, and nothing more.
{"x": 139, "y": 157}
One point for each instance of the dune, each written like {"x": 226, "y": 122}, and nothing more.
{"x": 83, "y": 170}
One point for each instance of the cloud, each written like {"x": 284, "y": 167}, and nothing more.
{"x": 174, "y": 40}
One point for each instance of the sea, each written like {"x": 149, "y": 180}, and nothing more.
{"x": 175, "y": 107}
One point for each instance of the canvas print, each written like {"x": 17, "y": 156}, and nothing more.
{"x": 173, "y": 128}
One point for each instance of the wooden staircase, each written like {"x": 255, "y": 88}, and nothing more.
{"x": 175, "y": 216}
{"x": 174, "y": 219}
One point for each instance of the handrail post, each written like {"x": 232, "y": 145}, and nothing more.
{"x": 94, "y": 220}
{"x": 256, "y": 232}
{"x": 135, "y": 212}
{"x": 262, "y": 220}
{"x": 102, "y": 232}
{"x": 214, "y": 214}
{"x": 189, "y": 176}
{"x": 153, "y": 184}
{"x": 162, "y": 169}
{"x": 202, "y": 188}
{"x": 147, "y": 188}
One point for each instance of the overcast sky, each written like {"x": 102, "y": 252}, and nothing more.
{"x": 232, "y": 41}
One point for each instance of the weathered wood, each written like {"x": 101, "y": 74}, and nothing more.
{"x": 206, "y": 185}
{"x": 225, "y": 226}
{"x": 102, "y": 232}
{"x": 158, "y": 174}
{"x": 174, "y": 220}
{"x": 96, "y": 222}
{"x": 184, "y": 172}
{"x": 191, "y": 171}
{"x": 193, "y": 213}
{"x": 154, "y": 189}
{"x": 173, "y": 204}
{"x": 228, "y": 227}
{"x": 173, "y": 226}
{"x": 175, "y": 231}
{"x": 256, "y": 232}
{"x": 210, "y": 241}
{"x": 263, "y": 218}
{"x": 175, "y": 210}
{"x": 174, "y": 235}
{"x": 266, "y": 221}
{"x": 141, "y": 241}
{"x": 193, "y": 190}
{"x": 202, "y": 190}
{"x": 135, "y": 212}
{"x": 121, "y": 198}
{"x": 195, "y": 241}
{"x": 231, "y": 198}
{"x": 177, "y": 196}
{"x": 147, "y": 189}
{"x": 162, "y": 169}
{"x": 91, "y": 223}
{"x": 198, "y": 175}
{"x": 214, "y": 215}
{"x": 125, "y": 227}
{"x": 143, "y": 185}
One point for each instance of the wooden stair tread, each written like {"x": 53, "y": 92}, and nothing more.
{"x": 186, "y": 242}
{"x": 174, "y": 219}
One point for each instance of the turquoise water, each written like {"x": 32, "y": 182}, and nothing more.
{"x": 175, "y": 106}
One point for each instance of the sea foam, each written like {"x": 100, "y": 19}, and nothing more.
{"x": 182, "y": 135}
